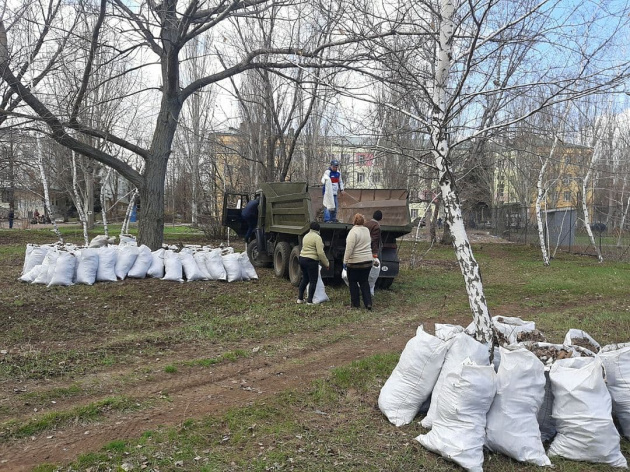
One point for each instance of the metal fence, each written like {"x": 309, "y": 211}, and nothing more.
{"x": 564, "y": 230}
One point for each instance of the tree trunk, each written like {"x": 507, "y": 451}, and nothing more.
{"x": 89, "y": 194}
{"x": 151, "y": 218}
{"x": 539, "y": 199}
{"x": 587, "y": 220}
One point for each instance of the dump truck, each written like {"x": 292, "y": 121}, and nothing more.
{"x": 286, "y": 210}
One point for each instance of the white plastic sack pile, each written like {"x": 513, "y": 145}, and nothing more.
{"x": 200, "y": 259}
{"x": 142, "y": 263}
{"x": 173, "y": 267}
{"x": 458, "y": 430}
{"x": 461, "y": 347}
{"x": 65, "y": 268}
{"x": 87, "y": 266}
{"x": 512, "y": 425}
{"x": 47, "y": 268}
{"x": 34, "y": 256}
{"x": 189, "y": 265}
{"x": 617, "y": 366}
{"x": 413, "y": 378}
{"x": 107, "y": 257}
{"x": 582, "y": 410}
{"x": 156, "y": 269}
{"x": 320, "y": 295}
{"x": 510, "y": 327}
{"x": 248, "y": 271}
{"x": 127, "y": 256}
{"x": 574, "y": 335}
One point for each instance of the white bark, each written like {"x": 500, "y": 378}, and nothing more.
{"x": 132, "y": 201}
{"x": 624, "y": 211}
{"x": 40, "y": 161}
{"x": 587, "y": 220}
{"x": 78, "y": 203}
{"x": 103, "y": 203}
{"x": 540, "y": 197}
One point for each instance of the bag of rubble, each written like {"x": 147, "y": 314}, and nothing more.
{"x": 87, "y": 266}
{"x": 65, "y": 270}
{"x": 458, "y": 432}
{"x": 101, "y": 241}
{"x": 173, "y": 269}
{"x": 232, "y": 266}
{"x": 320, "y": 295}
{"x": 447, "y": 331}
{"x": 127, "y": 255}
{"x": 142, "y": 263}
{"x": 413, "y": 378}
{"x": 617, "y": 367}
{"x": 34, "y": 257}
{"x": 214, "y": 264}
{"x": 47, "y": 268}
{"x": 460, "y": 347}
{"x": 156, "y": 269}
{"x": 581, "y": 339}
{"x": 190, "y": 266}
{"x": 582, "y": 409}
{"x": 512, "y": 330}
{"x": 248, "y": 271}
{"x": 511, "y": 424}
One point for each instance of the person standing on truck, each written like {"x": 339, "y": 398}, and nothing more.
{"x": 358, "y": 261}
{"x": 250, "y": 215}
{"x": 332, "y": 174}
{"x": 311, "y": 255}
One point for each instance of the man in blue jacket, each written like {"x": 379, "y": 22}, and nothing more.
{"x": 250, "y": 215}
{"x": 334, "y": 175}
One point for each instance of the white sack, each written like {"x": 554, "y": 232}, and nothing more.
{"x": 200, "y": 259}
{"x": 344, "y": 276}
{"x": 458, "y": 430}
{"x": 101, "y": 241}
{"x": 509, "y": 328}
{"x": 447, "y": 331}
{"x": 127, "y": 256}
{"x": 48, "y": 268}
{"x": 329, "y": 198}
{"x": 617, "y": 367}
{"x": 107, "y": 257}
{"x": 582, "y": 411}
{"x": 87, "y": 266}
{"x": 156, "y": 269}
{"x": 512, "y": 425}
{"x": 461, "y": 347}
{"x": 142, "y": 263}
{"x": 189, "y": 264}
{"x": 214, "y": 264}
{"x": 373, "y": 277}
{"x": 412, "y": 380}
{"x": 232, "y": 267}
{"x": 31, "y": 274}
{"x": 173, "y": 267}
{"x": 65, "y": 269}
{"x": 574, "y": 335}
{"x": 320, "y": 295}
{"x": 34, "y": 256}
{"x": 248, "y": 271}
{"x": 127, "y": 240}
{"x": 614, "y": 347}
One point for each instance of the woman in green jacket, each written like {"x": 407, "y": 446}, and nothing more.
{"x": 311, "y": 255}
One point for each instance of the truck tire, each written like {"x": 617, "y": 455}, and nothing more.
{"x": 384, "y": 283}
{"x": 295, "y": 271}
{"x": 281, "y": 259}
{"x": 257, "y": 259}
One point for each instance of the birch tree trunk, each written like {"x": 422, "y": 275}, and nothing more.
{"x": 104, "y": 203}
{"x": 124, "y": 229}
{"x": 78, "y": 201}
{"x": 587, "y": 220}
{"x": 467, "y": 263}
{"x": 540, "y": 197}
{"x": 40, "y": 161}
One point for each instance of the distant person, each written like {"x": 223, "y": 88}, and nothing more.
{"x": 250, "y": 215}
{"x": 36, "y": 215}
{"x": 439, "y": 223}
{"x": 332, "y": 174}
{"x": 311, "y": 255}
{"x": 358, "y": 261}
{"x": 11, "y": 217}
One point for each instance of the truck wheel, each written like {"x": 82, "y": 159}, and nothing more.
{"x": 257, "y": 259}
{"x": 281, "y": 259}
{"x": 295, "y": 272}
{"x": 384, "y": 283}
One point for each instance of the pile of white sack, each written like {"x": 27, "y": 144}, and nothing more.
{"x": 56, "y": 264}
{"x": 534, "y": 392}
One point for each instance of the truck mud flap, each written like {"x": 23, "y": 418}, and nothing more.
{"x": 390, "y": 264}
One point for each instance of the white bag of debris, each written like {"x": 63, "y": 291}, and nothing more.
{"x": 101, "y": 241}
{"x": 157, "y": 264}
{"x": 48, "y": 267}
{"x": 107, "y": 257}
{"x": 173, "y": 269}
{"x": 141, "y": 264}
{"x": 511, "y": 329}
{"x": 248, "y": 271}
{"x": 579, "y": 338}
{"x": 582, "y": 409}
{"x": 214, "y": 264}
{"x": 87, "y": 266}
{"x": 373, "y": 277}
{"x": 461, "y": 347}
{"x": 189, "y": 264}
{"x": 232, "y": 267}
{"x": 413, "y": 378}
{"x": 447, "y": 331}
{"x": 127, "y": 240}
{"x": 458, "y": 432}
{"x": 511, "y": 424}
{"x": 200, "y": 259}
{"x": 617, "y": 366}
{"x": 64, "y": 271}
{"x": 320, "y": 295}
{"x": 34, "y": 256}
{"x": 127, "y": 256}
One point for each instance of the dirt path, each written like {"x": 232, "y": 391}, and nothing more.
{"x": 200, "y": 392}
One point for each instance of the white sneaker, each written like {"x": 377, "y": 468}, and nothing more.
{"x": 310, "y": 303}
{"x": 299, "y": 301}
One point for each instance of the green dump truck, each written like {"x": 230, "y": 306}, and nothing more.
{"x": 286, "y": 210}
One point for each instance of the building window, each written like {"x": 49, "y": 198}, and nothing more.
{"x": 567, "y": 196}
{"x": 376, "y": 177}
{"x": 414, "y": 213}
{"x": 361, "y": 159}
{"x": 360, "y": 177}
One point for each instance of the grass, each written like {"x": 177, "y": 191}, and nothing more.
{"x": 72, "y": 344}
